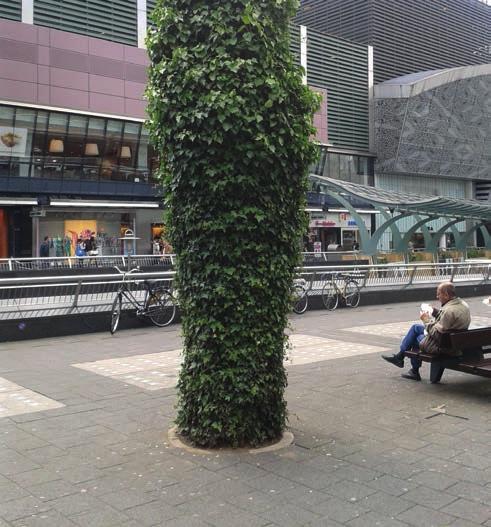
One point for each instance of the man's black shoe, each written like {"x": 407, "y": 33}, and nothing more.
{"x": 395, "y": 360}
{"x": 411, "y": 374}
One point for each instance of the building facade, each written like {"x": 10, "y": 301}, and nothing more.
{"x": 407, "y": 35}
{"x": 75, "y": 155}
{"x": 433, "y": 136}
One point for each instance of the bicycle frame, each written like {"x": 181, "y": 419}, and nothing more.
{"x": 124, "y": 291}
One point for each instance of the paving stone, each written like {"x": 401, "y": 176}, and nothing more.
{"x": 75, "y": 504}
{"x": 469, "y": 510}
{"x": 473, "y": 460}
{"x": 11, "y": 491}
{"x": 289, "y": 515}
{"x": 391, "y": 485}
{"x": 464, "y": 523}
{"x": 258, "y": 501}
{"x": 427, "y": 497}
{"x": 230, "y": 515}
{"x": 22, "y": 507}
{"x": 34, "y": 477}
{"x": 340, "y": 510}
{"x": 433, "y": 479}
{"x": 49, "y": 518}
{"x": 471, "y": 491}
{"x": 349, "y": 490}
{"x": 103, "y": 517}
{"x": 385, "y": 504}
{"x": 419, "y": 516}
{"x": 52, "y": 489}
{"x": 186, "y": 521}
{"x": 126, "y": 498}
{"x": 373, "y": 519}
{"x": 153, "y": 513}
{"x": 323, "y": 522}
{"x": 271, "y": 483}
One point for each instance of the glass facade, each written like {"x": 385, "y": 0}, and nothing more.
{"x": 346, "y": 167}
{"x": 50, "y": 145}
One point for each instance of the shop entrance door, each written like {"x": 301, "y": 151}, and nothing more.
{"x": 20, "y": 232}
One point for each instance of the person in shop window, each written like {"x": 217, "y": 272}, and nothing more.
{"x": 80, "y": 250}
{"x": 91, "y": 245}
{"x": 44, "y": 248}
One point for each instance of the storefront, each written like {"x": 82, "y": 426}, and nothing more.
{"x": 64, "y": 228}
{"x": 328, "y": 230}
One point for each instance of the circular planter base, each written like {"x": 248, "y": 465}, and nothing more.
{"x": 285, "y": 441}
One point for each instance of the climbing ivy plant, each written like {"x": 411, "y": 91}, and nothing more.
{"x": 231, "y": 121}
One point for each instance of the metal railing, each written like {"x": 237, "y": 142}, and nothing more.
{"x": 48, "y": 295}
{"x": 84, "y": 262}
{"x": 22, "y": 298}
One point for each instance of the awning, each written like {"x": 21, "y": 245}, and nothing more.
{"x": 402, "y": 202}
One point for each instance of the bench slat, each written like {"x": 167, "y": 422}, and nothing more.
{"x": 471, "y": 339}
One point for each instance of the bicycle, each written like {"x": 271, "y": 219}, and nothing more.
{"x": 300, "y": 298}
{"x": 349, "y": 291}
{"x": 158, "y": 304}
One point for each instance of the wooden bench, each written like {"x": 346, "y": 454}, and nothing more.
{"x": 473, "y": 344}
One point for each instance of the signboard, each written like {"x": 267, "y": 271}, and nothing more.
{"x": 317, "y": 247}
{"x": 13, "y": 141}
{"x": 336, "y": 220}
{"x": 37, "y": 213}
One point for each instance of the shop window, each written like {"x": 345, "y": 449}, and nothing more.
{"x": 334, "y": 166}
{"x": 59, "y": 145}
{"x": 94, "y": 145}
{"x": 110, "y": 161}
{"x": 142, "y": 161}
{"x": 55, "y": 147}
{"x": 39, "y": 141}
{"x": 75, "y": 146}
{"x": 7, "y": 138}
{"x": 24, "y": 129}
{"x": 127, "y": 151}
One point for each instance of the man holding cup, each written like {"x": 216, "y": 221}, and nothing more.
{"x": 454, "y": 315}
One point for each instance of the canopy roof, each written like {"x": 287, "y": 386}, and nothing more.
{"x": 400, "y": 201}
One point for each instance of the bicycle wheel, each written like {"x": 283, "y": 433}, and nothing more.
{"x": 116, "y": 313}
{"x": 160, "y": 308}
{"x": 330, "y": 296}
{"x": 300, "y": 299}
{"x": 352, "y": 294}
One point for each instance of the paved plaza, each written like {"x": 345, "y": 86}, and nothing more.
{"x": 84, "y": 422}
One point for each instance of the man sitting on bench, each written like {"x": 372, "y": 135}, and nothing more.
{"x": 454, "y": 315}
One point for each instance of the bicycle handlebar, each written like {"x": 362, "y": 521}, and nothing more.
{"x": 124, "y": 273}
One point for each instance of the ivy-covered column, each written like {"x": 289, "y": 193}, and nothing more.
{"x": 231, "y": 121}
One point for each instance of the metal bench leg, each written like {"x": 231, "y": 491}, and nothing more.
{"x": 436, "y": 372}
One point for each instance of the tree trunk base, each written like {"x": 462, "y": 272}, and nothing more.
{"x": 178, "y": 441}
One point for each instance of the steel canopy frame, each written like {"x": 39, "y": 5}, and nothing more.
{"x": 404, "y": 205}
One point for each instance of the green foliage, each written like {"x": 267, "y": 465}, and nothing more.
{"x": 231, "y": 121}
{"x": 474, "y": 252}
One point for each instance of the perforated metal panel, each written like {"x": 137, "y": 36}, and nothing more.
{"x": 114, "y": 20}
{"x": 11, "y": 9}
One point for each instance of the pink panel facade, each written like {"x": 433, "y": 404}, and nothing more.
{"x": 43, "y": 66}
{"x": 48, "y": 67}
{"x": 320, "y": 117}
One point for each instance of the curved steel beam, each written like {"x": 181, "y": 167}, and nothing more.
{"x": 389, "y": 224}
{"x": 364, "y": 234}
{"x": 439, "y": 233}
{"x": 407, "y": 236}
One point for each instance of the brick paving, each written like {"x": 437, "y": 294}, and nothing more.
{"x": 371, "y": 449}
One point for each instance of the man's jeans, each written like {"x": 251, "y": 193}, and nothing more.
{"x": 411, "y": 341}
